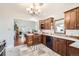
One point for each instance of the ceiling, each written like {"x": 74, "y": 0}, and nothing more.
{"x": 55, "y": 10}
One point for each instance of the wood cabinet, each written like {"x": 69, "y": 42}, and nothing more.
{"x": 59, "y": 46}
{"x": 42, "y": 24}
{"x": 30, "y": 40}
{"x": 72, "y": 18}
{"x": 43, "y": 39}
{"x": 73, "y": 51}
{"x": 68, "y": 42}
{"x": 77, "y": 21}
{"x": 55, "y": 44}
{"x": 47, "y": 23}
{"x": 67, "y": 20}
{"x": 37, "y": 39}
{"x": 33, "y": 39}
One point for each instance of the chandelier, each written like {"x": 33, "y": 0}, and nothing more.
{"x": 34, "y": 9}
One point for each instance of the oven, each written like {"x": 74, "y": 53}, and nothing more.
{"x": 2, "y": 48}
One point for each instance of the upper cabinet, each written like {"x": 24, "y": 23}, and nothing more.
{"x": 72, "y": 19}
{"x": 67, "y": 20}
{"x": 41, "y": 24}
{"x": 77, "y": 18}
{"x": 47, "y": 23}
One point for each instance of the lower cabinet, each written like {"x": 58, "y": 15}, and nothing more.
{"x": 33, "y": 39}
{"x": 43, "y": 40}
{"x": 73, "y": 51}
{"x": 59, "y": 46}
{"x": 37, "y": 39}
{"x": 68, "y": 47}
{"x": 30, "y": 40}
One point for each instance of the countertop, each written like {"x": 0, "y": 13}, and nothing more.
{"x": 62, "y": 36}
{"x": 66, "y": 37}
{"x": 75, "y": 44}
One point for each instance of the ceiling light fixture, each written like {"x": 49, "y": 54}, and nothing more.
{"x": 34, "y": 9}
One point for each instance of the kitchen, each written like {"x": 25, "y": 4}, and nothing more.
{"x": 58, "y": 35}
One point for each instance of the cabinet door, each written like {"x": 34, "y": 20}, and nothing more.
{"x": 73, "y": 19}
{"x": 62, "y": 47}
{"x": 59, "y": 46}
{"x": 73, "y": 51}
{"x": 46, "y": 24}
{"x": 30, "y": 40}
{"x": 77, "y": 25}
{"x": 44, "y": 39}
{"x": 67, "y": 20}
{"x": 49, "y": 23}
{"x": 41, "y": 23}
{"x": 37, "y": 39}
{"x": 55, "y": 44}
{"x": 68, "y": 42}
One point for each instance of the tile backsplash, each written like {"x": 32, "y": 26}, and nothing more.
{"x": 72, "y": 32}
{"x": 48, "y": 31}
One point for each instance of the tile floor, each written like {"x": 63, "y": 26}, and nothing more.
{"x": 24, "y": 50}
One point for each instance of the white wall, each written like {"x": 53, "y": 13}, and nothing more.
{"x": 6, "y": 29}
{"x": 7, "y": 16}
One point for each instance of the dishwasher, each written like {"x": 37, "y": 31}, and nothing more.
{"x": 49, "y": 42}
